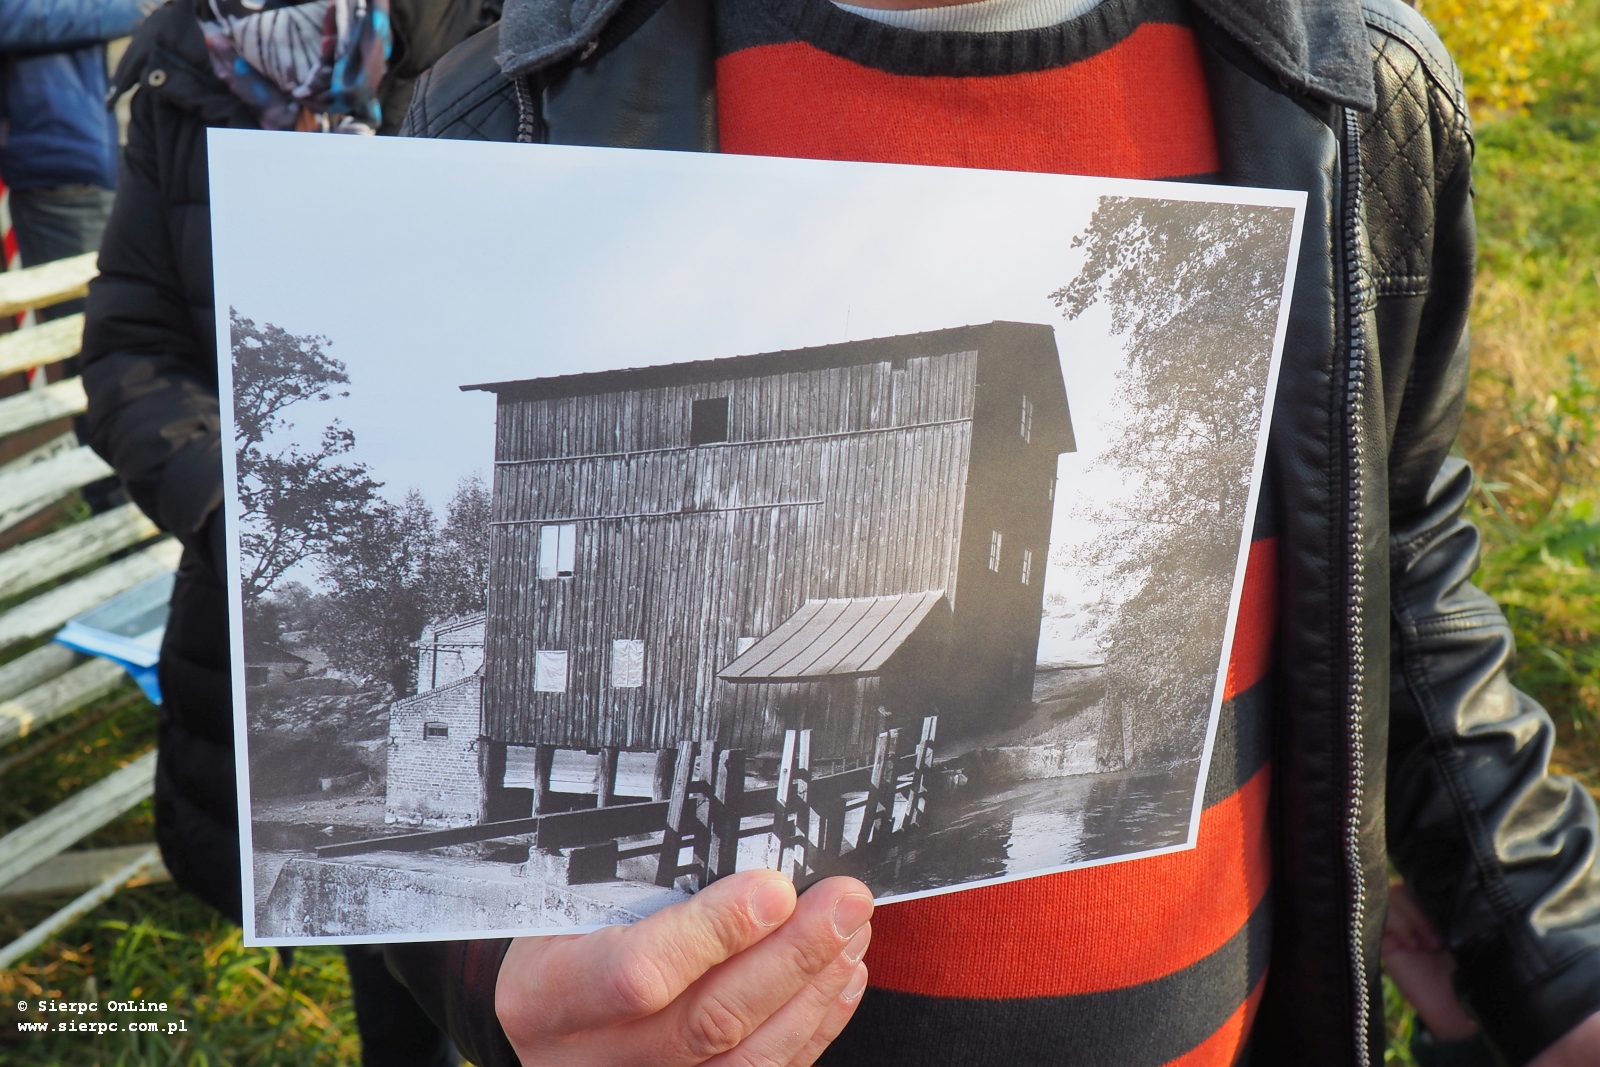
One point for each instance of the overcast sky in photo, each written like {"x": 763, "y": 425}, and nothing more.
{"x": 431, "y": 264}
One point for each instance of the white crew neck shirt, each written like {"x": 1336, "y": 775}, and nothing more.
{"x": 982, "y": 16}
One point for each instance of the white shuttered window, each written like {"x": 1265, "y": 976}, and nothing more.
{"x": 627, "y": 663}
{"x": 549, "y": 672}
{"x": 558, "y": 550}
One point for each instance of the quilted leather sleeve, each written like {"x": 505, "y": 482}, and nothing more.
{"x": 465, "y": 97}
{"x": 1499, "y": 851}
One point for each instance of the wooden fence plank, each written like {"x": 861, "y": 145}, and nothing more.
{"x": 58, "y": 697}
{"x": 73, "y": 872}
{"x": 47, "y": 284}
{"x": 80, "y": 907}
{"x": 47, "y": 558}
{"x": 75, "y": 818}
{"x": 46, "y": 612}
{"x": 35, "y": 668}
{"x": 26, "y": 490}
{"x": 49, "y": 342}
{"x": 55, "y": 446}
{"x": 35, "y": 407}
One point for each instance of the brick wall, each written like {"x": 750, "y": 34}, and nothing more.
{"x": 434, "y": 778}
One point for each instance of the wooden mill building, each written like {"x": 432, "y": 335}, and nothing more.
{"x": 825, "y": 538}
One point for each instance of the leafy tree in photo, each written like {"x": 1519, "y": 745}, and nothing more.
{"x": 295, "y": 502}
{"x": 1193, "y": 289}
{"x": 461, "y": 571}
{"x": 380, "y": 578}
{"x": 393, "y": 572}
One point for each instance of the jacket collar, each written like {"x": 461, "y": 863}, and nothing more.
{"x": 1319, "y": 47}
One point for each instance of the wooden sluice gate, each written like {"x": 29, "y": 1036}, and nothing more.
{"x": 705, "y": 806}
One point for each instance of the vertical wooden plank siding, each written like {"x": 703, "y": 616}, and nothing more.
{"x": 840, "y": 490}
{"x": 841, "y": 481}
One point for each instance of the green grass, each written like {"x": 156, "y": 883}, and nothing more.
{"x": 236, "y": 1005}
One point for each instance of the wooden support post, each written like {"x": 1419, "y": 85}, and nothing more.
{"x": 919, "y": 776}
{"x": 726, "y": 809}
{"x": 677, "y": 815}
{"x": 661, "y": 787}
{"x": 705, "y": 775}
{"x": 782, "y": 805}
{"x": 806, "y": 828}
{"x": 544, "y": 758}
{"x": 885, "y": 783}
{"x": 605, "y": 779}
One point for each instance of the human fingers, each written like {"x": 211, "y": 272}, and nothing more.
{"x": 1407, "y": 927}
{"x": 839, "y": 1014}
{"x": 787, "y": 1031}
{"x": 622, "y": 973}
{"x": 735, "y": 998}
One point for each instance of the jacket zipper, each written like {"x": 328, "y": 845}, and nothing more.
{"x": 1355, "y": 572}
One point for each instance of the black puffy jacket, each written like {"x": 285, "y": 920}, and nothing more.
{"x": 149, "y": 366}
{"x": 1398, "y": 734}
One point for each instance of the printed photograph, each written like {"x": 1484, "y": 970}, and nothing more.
{"x": 818, "y": 516}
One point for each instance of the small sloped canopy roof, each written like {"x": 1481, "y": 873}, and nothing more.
{"x": 835, "y": 638}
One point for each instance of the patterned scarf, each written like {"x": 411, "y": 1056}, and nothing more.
{"x": 302, "y": 64}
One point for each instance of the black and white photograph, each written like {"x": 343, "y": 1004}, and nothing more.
{"x": 827, "y": 517}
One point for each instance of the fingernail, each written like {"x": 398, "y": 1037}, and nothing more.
{"x": 851, "y": 914}
{"x": 858, "y": 982}
{"x": 858, "y": 945}
{"x": 772, "y": 901}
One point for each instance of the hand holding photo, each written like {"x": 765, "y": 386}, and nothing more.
{"x": 746, "y": 512}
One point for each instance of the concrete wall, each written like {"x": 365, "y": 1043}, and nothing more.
{"x": 434, "y": 780}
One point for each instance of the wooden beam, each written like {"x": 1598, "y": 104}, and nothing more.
{"x": 34, "y": 407}
{"x": 75, "y": 818}
{"x": 40, "y": 665}
{"x": 47, "y": 284}
{"x": 677, "y": 815}
{"x": 544, "y": 761}
{"x": 59, "y": 697}
{"x": 45, "y": 613}
{"x": 605, "y": 778}
{"x": 31, "y": 940}
{"x": 566, "y": 829}
{"x": 47, "y": 558}
{"x": 725, "y": 815}
{"x": 73, "y": 872}
{"x": 48, "y": 342}
{"x": 26, "y": 490}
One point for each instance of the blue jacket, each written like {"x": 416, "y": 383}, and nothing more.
{"x": 54, "y": 125}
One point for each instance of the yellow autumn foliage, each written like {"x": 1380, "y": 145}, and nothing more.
{"x": 1494, "y": 42}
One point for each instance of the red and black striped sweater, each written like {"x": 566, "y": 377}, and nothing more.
{"x": 1137, "y": 964}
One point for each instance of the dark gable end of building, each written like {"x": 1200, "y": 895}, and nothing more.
{"x": 873, "y": 514}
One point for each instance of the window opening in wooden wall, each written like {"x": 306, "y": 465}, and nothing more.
{"x": 627, "y": 663}
{"x": 1027, "y": 565}
{"x": 435, "y": 731}
{"x": 558, "y": 550}
{"x": 1027, "y": 420}
{"x": 994, "y": 551}
{"x": 549, "y": 671}
{"x": 708, "y": 422}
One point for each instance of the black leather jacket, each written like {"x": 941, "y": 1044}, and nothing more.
{"x": 1398, "y": 734}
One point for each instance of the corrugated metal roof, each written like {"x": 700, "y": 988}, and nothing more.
{"x": 833, "y": 638}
